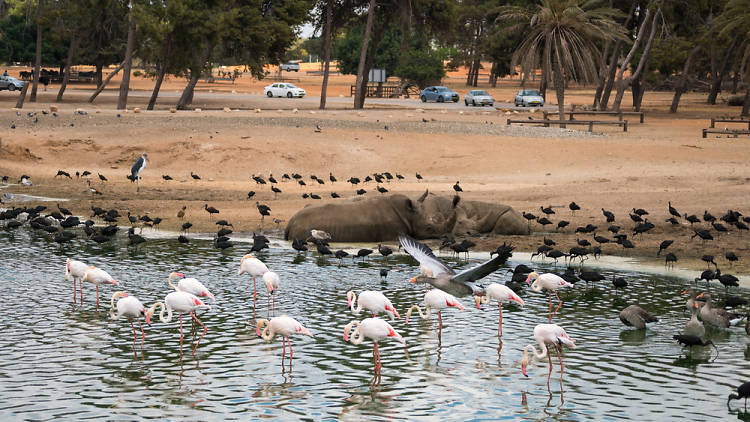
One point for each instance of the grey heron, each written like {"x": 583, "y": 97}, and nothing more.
{"x": 138, "y": 167}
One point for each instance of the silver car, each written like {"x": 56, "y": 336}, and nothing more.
{"x": 528, "y": 98}
{"x": 10, "y": 83}
{"x": 479, "y": 97}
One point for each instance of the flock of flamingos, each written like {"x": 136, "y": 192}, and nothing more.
{"x": 189, "y": 295}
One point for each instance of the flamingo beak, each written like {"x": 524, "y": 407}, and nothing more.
{"x": 124, "y": 294}
{"x": 113, "y": 281}
{"x": 478, "y": 301}
{"x": 148, "y": 319}
{"x": 349, "y": 302}
{"x": 696, "y": 305}
{"x": 181, "y": 275}
{"x": 393, "y": 310}
{"x": 684, "y": 292}
{"x": 699, "y": 296}
{"x": 257, "y": 331}
{"x": 518, "y": 300}
{"x": 413, "y": 280}
{"x": 523, "y": 369}
{"x": 346, "y": 337}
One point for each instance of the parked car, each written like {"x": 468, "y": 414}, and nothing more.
{"x": 10, "y": 83}
{"x": 439, "y": 94}
{"x": 528, "y": 98}
{"x": 290, "y": 66}
{"x": 283, "y": 90}
{"x": 478, "y": 97}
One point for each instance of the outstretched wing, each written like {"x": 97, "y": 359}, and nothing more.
{"x": 424, "y": 255}
{"x": 482, "y": 270}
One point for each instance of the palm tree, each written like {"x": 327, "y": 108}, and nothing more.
{"x": 560, "y": 39}
{"x": 736, "y": 19}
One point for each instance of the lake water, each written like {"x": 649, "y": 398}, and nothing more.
{"x": 57, "y": 361}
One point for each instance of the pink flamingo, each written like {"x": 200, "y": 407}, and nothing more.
{"x": 375, "y": 329}
{"x": 76, "y": 270}
{"x": 130, "y": 307}
{"x": 253, "y": 266}
{"x": 501, "y": 293}
{"x": 551, "y": 283}
{"x": 97, "y": 276}
{"x": 439, "y": 300}
{"x": 284, "y": 326}
{"x": 179, "y": 302}
{"x": 373, "y": 301}
{"x": 190, "y": 285}
{"x": 546, "y": 334}
{"x": 272, "y": 282}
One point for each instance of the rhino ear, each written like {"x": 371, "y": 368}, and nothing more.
{"x": 424, "y": 196}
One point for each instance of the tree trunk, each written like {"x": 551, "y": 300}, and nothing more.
{"x": 559, "y": 89}
{"x": 326, "y": 54}
{"x": 68, "y": 64}
{"x": 195, "y": 73}
{"x": 493, "y": 75}
{"x": 543, "y": 88}
{"x": 470, "y": 72}
{"x": 638, "y": 97}
{"x": 105, "y": 82}
{"x": 477, "y": 66}
{"x": 680, "y": 88}
{"x": 610, "y": 77}
{"x": 122, "y": 100}
{"x": 99, "y": 76}
{"x": 602, "y": 76}
{"x": 359, "y": 94}
{"x": 162, "y": 71}
{"x": 716, "y": 83}
{"x": 22, "y": 96}
{"x": 746, "y": 104}
{"x": 38, "y": 61}
{"x": 622, "y": 84}
{"x": 377, "y": 36}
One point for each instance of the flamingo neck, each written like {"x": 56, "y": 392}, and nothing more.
{"x": 161, "y": 314}
{"x": 357, "y": 338}
{"x": 265, "y": 333}
{"x": 419, "y": 310}
{"x": 535, "y": 285}
{"x": 115, "y": 296}
{"x": 539, "y": 356}
{"x": 169, "y": 280}
{"x": 67, "y": 269}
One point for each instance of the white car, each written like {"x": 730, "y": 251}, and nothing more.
{"x": 528, "y": 98}
{"x": 10, "y": 83}
{"x": 478, "y": 97}
{"x": 282, "y": 89}
{"x": 290, "y": 67}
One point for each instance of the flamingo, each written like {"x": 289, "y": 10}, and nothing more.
{"x": 550, "y": 282}
{"x": 375, "y": 329}
{"x": 190, "y": 285}
{"x": 501, "y": 293}
{"x": 76, "y": 270}
{"x": 130, "y": 307}
{"x": 284, "y": 326}
{"x": 271, "y": 279}
{"x": 546, "y": 334}
{"x": 253, "y": 266}
{"x": 97, "y": 276}
{"x": 439, "y": 300}
{"x": 179, "y": 302}
{"x": 373, "y": 301}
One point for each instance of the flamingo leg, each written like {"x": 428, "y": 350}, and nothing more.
{"x": 273, "y": 306}
{"x": 181, "y": 336}
{"x": 97, "y": 297}
{"x": 549, "y": 358}
{"x": 283, "y": 349}
{"x": 80, "y": 287}
{"x": 500, "y": 324}
{"x": 440, "y": 325}
{"x": 291, "y": 352}
{"x": 559, "y": 304}
{"x": 143, "y": 336}
{"x": 376, "y": 357}
{"x": 559, "y": 356}
{"x": 135, "y": 336}
{"x": 550, "y": 306}
{"x": 255, "y": 290}
{"x": 203, "y": 334}
{"x": 74, "y": 291}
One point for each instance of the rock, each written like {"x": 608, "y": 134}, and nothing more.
{"x": 295, "y": 111}
{"x": 227, "y": 109}
{"x": 198, "y": 110}
{"x": 53, "y": 108}
{"x": 257, "y": 110}
{"x": 173, "y": 110}
{"x": 136, "y": 110}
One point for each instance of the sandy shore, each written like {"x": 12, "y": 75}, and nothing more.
{"x": 663, "y": 160}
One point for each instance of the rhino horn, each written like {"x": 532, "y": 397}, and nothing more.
{"x": 424, "y": 195}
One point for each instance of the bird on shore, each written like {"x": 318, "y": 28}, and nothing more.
{"x": 166, "y": 177}
{"x": 211, "y": 210}
{"x": 664, "y": 245}
{"x": 181, "y": 212}
{"x": 457, "y": 188}
{"x": 264, "y": 210}
{"x": 546, "y": 335}
{"x": 376, "y": 330}
{"x": 284, "y": 326}
{"x": 101, "y": 177}
{"x": 137, "y": 169}
{"x": 63, "y": 174}
{"x": 608, "y": 215}
{"x": 180, "y": 302}
{"x": 195, "y": 176}
{"x": 673, "y": 211}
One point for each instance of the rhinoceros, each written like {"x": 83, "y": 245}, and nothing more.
{"x": 385, "y": 217}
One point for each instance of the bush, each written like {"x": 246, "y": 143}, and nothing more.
{"x": 138, "y": 73}
{"x": 423, "y": 67}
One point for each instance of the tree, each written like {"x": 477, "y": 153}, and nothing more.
{"x": 423, "y": 67}
{"x": 649, "y": 22}
{"x": 561, "y": 40}
{"x": 38, "y": 60}
{"x": 736, "y": 19}
{"x": 361, "y": 83}
{"x": 326, "y": 53}
{"x": 122, "y": 100}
